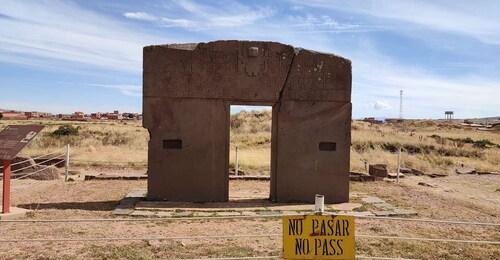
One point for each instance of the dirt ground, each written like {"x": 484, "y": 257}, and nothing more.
{"x": 456, "y": 197}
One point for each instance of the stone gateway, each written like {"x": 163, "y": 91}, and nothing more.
{"x": 188, "y": 91}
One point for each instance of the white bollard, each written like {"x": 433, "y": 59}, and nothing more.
{"x": 319, "y": 204}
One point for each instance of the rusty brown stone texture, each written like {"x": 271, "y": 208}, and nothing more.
{"x": 188, "y": 91}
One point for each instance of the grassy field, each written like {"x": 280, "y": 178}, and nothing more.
{"x": 429, "y": 146}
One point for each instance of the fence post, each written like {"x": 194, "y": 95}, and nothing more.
{"x": 399, "y": 164}
{"x": 67, "y": 163}
{"x": 236, "y": 159}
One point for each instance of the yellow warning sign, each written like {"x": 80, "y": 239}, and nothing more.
{"x": 318, "y": 237}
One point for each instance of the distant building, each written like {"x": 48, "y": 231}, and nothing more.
{"x": 130, "y": 116}
{"x": 372, "y": 120}
{"x": 78, "y": 115}
{"x": 97, "y": 115}
{"x": 35, "y": 114}
{"x": 114, "y": 116}
{"x": 13, "y": 116}
{"x": 394, "y": 120}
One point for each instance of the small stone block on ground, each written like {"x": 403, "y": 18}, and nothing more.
{"x": 378, "y": 170}
{"x": 465, "y": 170}
{"x": 122, "y": 211}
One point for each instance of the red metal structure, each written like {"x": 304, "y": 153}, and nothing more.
{"x": 13, "y": 139}
{"x": 6, "y": 187}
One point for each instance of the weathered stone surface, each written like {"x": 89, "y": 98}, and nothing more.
{"x": 417, "y": 172}
{"x": 360, "y": 213}
{"x": 188, "y": 90}
{"x": 406, "y": 170}
{"x": 41, "y": 173}
{"x": 425, "y": 184}
{"x": 484, "y": 172}
{"x": 437, "y": 175}
{"x": 384, "y": 213}
{"x": 21, "y": 162}
{"x": 378, "y": 170}
{"x": 357, "y": 176}
{"x": 465, "y": 170}
{"x": 394, "y": 175}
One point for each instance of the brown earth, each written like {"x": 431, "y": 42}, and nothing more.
{"x": 457, "y": 197}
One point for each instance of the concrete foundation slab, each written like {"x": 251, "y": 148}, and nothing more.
{"x": 15, "y": 213}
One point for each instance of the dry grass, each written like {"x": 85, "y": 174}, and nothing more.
{"x": 251, "y": 132}
{"x": 96, "y": 199}
{"x": 96, "y": 141}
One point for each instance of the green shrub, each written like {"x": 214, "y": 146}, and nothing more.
{"x": 65, "y": 130}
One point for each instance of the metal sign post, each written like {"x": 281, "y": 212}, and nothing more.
{"x": 6, "y": 187}
{"x": 12, "y": 140}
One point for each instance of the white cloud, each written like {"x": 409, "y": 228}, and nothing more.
{"x": 127, "y": 90}
{"x": 167, "y": 22}
{"x": 382, "y": 105}
{"x": 204, "y": 17}
{"x": 426, "y": 94}
{"x": 63, "y": 34}
{"x": 468, "y": 18}
{"x": 140, "y": 16}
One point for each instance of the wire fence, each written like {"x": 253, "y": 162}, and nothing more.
{"x": 243, "y": 236}
{"x": 243, "y": 158}
{"x": 34, "y": 166}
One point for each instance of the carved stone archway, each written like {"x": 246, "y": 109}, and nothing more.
{"x": 188, "y": 89}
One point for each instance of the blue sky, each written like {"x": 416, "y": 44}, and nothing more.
{"x": 66, "y": 56}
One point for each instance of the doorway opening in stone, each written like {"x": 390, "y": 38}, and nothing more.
{"x": 250, "y": 135}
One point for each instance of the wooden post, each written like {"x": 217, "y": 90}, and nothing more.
{"x": 67, "y": 163}
{"x": 6, "y": 187}
{"x": 236, "y": 159}
{"x": 399, "y": 164}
